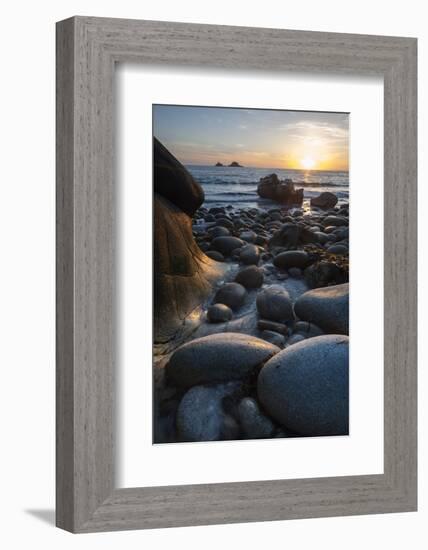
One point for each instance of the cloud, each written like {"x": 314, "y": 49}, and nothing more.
{"x": 305, "y": 129}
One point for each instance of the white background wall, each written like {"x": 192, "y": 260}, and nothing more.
{"x": 27, "y": 271}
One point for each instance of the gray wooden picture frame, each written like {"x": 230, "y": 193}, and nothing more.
{"x": 87, "y": 50}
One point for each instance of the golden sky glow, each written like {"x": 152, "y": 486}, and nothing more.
{"x": 254, "y": 137}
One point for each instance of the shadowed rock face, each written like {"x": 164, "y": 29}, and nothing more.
{"x": 183, "y": 274}
{"x": 271, "y": 187}
{"x": 174, "y": 182}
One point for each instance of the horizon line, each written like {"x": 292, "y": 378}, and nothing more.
{"x": 263, "y": 167}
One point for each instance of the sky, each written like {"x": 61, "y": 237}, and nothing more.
{"x": 254, "y": 137}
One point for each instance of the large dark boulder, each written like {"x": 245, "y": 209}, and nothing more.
{"x": 174, "y": 182}
{"x": 271, "y": 187}
{"x": 183, "y": 275}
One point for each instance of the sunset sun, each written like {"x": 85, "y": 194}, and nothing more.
{"x": 307, "y": 163}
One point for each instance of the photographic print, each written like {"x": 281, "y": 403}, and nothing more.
{"x": 251, "y": 263}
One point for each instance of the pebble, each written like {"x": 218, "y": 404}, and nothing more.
{"x": 264, "y": 324}
{"x": 231, "y": 294}
{"x": 215, "y": 255}
{"x": 219, "y": 313}
{"x": 254, "y": 423}
{"x": 250, "y": 277}
{"x": 274, "y": 303}
{"x": 218, "y": 232}
{"x": 227, "y": 244}
{"x": 291, "y": 258}
{"x": 249, "y": 254}
{"x": 200, "y": 415}
{"x": 295, "y": 272}
{"x": 273, "y": 337}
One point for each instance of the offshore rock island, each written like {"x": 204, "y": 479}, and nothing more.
{"x": 233, "y": 164}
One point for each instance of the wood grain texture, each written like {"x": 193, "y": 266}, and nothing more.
{"x": 64, "y": 276}
{"x": 87, "y": 49}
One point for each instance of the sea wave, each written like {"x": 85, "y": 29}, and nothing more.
{"x": 239, "y": 185}
{"x": 210, "y": 181}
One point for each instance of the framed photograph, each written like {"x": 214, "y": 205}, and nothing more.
{"x": 236, "y": 274}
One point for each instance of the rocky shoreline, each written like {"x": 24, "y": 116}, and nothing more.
{"x": 267, "y": 353}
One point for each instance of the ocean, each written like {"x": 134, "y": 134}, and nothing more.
{"x": 238, "y": 186}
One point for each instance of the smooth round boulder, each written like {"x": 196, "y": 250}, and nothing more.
{"x": 291, "y": 258}
{"x": 225, "y": 222}
{"x": 264, "y": 324}
{"x": 219, "y": 313}
{"x": 215, "y": 255}
{"x": 217, "y": 210}
{"x": 309, "y": 330}
{"x": 204, "y": 246}
{"x": 261, "y": 240}
{"x": 254, "y": 423}
{"x": 338, "y": 249}
{"x": 274, "y": 303}
{"x": 249, "y": 254}
{"x": 322, "y": 237}
{"x": 306, "y": 386}
{"x": 275, "y": 216}
{"x": 295, "y": 339}
{"x": 200, "y": 415}
{"x": 326, "y": 307}
{"x": 218, "y": 231}
{"x": 324, "y": 200}
{"x": 335, "y": 220}
{"x": 250, "y": 277}
{"x": 248, "y": 236}
{"x": 273, "y": 337}
{"x": 227, "y": 244}
{"x": 341, "y": 233}
{"x": 231, "y": 294}
{"x": 216, "y": 358}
